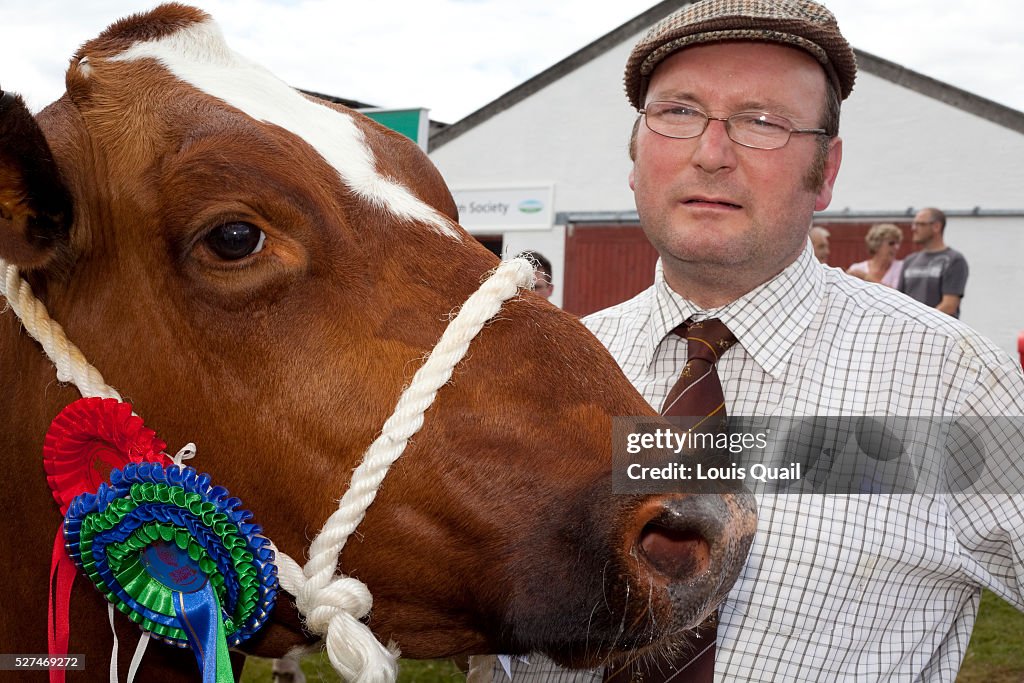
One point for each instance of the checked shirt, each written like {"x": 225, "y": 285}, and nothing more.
{"x": 865, "y": 587}
{"x": 855, "y": 587}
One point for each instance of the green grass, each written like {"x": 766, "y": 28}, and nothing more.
{"x": 318, "y": 670}
{"x": 996, "y": 655}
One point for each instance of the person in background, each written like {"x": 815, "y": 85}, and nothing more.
{"x": 883, "y": 242}
{"x": 819, "y": 240}
{"x": 937, "y": 275}
{"x": 543, "y": 283}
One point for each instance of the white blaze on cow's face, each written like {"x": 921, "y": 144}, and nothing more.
{"x": 199, "y": 56}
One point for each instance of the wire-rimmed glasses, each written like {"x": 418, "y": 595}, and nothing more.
{"x": 758, "y": 130}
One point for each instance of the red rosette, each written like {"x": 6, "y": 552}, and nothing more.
{"x": 88, "y": 439}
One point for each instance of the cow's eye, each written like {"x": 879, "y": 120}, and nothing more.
{"x": 236, "y": 240}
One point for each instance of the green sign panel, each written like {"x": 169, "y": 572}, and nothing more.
{"x": 412, "y": 123}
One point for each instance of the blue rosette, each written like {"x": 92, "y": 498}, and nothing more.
{"x": 177, "y": 555}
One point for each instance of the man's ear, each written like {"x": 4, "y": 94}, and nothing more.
{"x": 36, "y": 209}
{"x": 831, "y": 171}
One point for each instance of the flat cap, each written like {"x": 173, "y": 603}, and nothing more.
{"x": 802, "y": 24}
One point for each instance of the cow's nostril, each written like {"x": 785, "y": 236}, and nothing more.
{"x": 679, "y": 554}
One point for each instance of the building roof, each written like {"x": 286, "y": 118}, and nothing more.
{"x": 435, "y": 127}
{"x": 866, "y": 62}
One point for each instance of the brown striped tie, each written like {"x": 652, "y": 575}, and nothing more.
{"x": 698, "y": 391}
{"x": 697, "y": 400}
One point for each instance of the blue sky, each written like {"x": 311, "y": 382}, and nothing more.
{"x": 455, "y": 56}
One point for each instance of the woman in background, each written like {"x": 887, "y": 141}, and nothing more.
{"x": 883, "y": 242}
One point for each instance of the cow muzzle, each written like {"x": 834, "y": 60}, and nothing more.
{"x": 692, "y": 547}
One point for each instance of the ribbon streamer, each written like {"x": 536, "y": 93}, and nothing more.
{"x": 196, "y": 607}
{"x": 58, "y": 623}
{"x": 200, "y": 614}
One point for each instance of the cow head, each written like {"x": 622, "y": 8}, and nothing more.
{"x": 262, "y": 273}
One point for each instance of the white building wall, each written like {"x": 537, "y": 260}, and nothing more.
{"x": 902, "y": 150}
{"x": 994, "y": 301}
{"x": 573, "y": 134}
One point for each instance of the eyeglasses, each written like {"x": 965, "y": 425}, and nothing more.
{"x": 758, "y": 130}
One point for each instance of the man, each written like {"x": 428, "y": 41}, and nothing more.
{"x": 937, "y": 275}
{"x": 735, "y": 147}
{"x": 543, "y": 283}
{"x": 819, "y": 241}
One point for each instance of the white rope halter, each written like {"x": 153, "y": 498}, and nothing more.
{"x": 332, "y": 604}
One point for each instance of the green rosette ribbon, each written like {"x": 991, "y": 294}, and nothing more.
{"x": 178, "y": 556}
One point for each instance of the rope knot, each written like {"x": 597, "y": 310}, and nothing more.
{"x": 342, "y": 597}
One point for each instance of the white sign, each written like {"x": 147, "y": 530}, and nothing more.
{"x": 506, "y": 208}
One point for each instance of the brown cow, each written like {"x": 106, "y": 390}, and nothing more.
{"x": 261, "y": 274}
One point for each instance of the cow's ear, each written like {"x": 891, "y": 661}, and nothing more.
{"x": 35, "y": 205}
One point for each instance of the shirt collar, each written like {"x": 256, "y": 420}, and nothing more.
{"x": 767, "y": 321}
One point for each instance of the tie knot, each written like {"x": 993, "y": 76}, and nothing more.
{"x": 707, "y": 339}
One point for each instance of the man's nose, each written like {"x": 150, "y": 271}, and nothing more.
{"x": 715, "y": 149}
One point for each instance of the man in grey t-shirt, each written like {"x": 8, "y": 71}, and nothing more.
{"x": 937, "y": 275}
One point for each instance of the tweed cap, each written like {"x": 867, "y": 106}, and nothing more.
{"x": 799, "y": 23}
